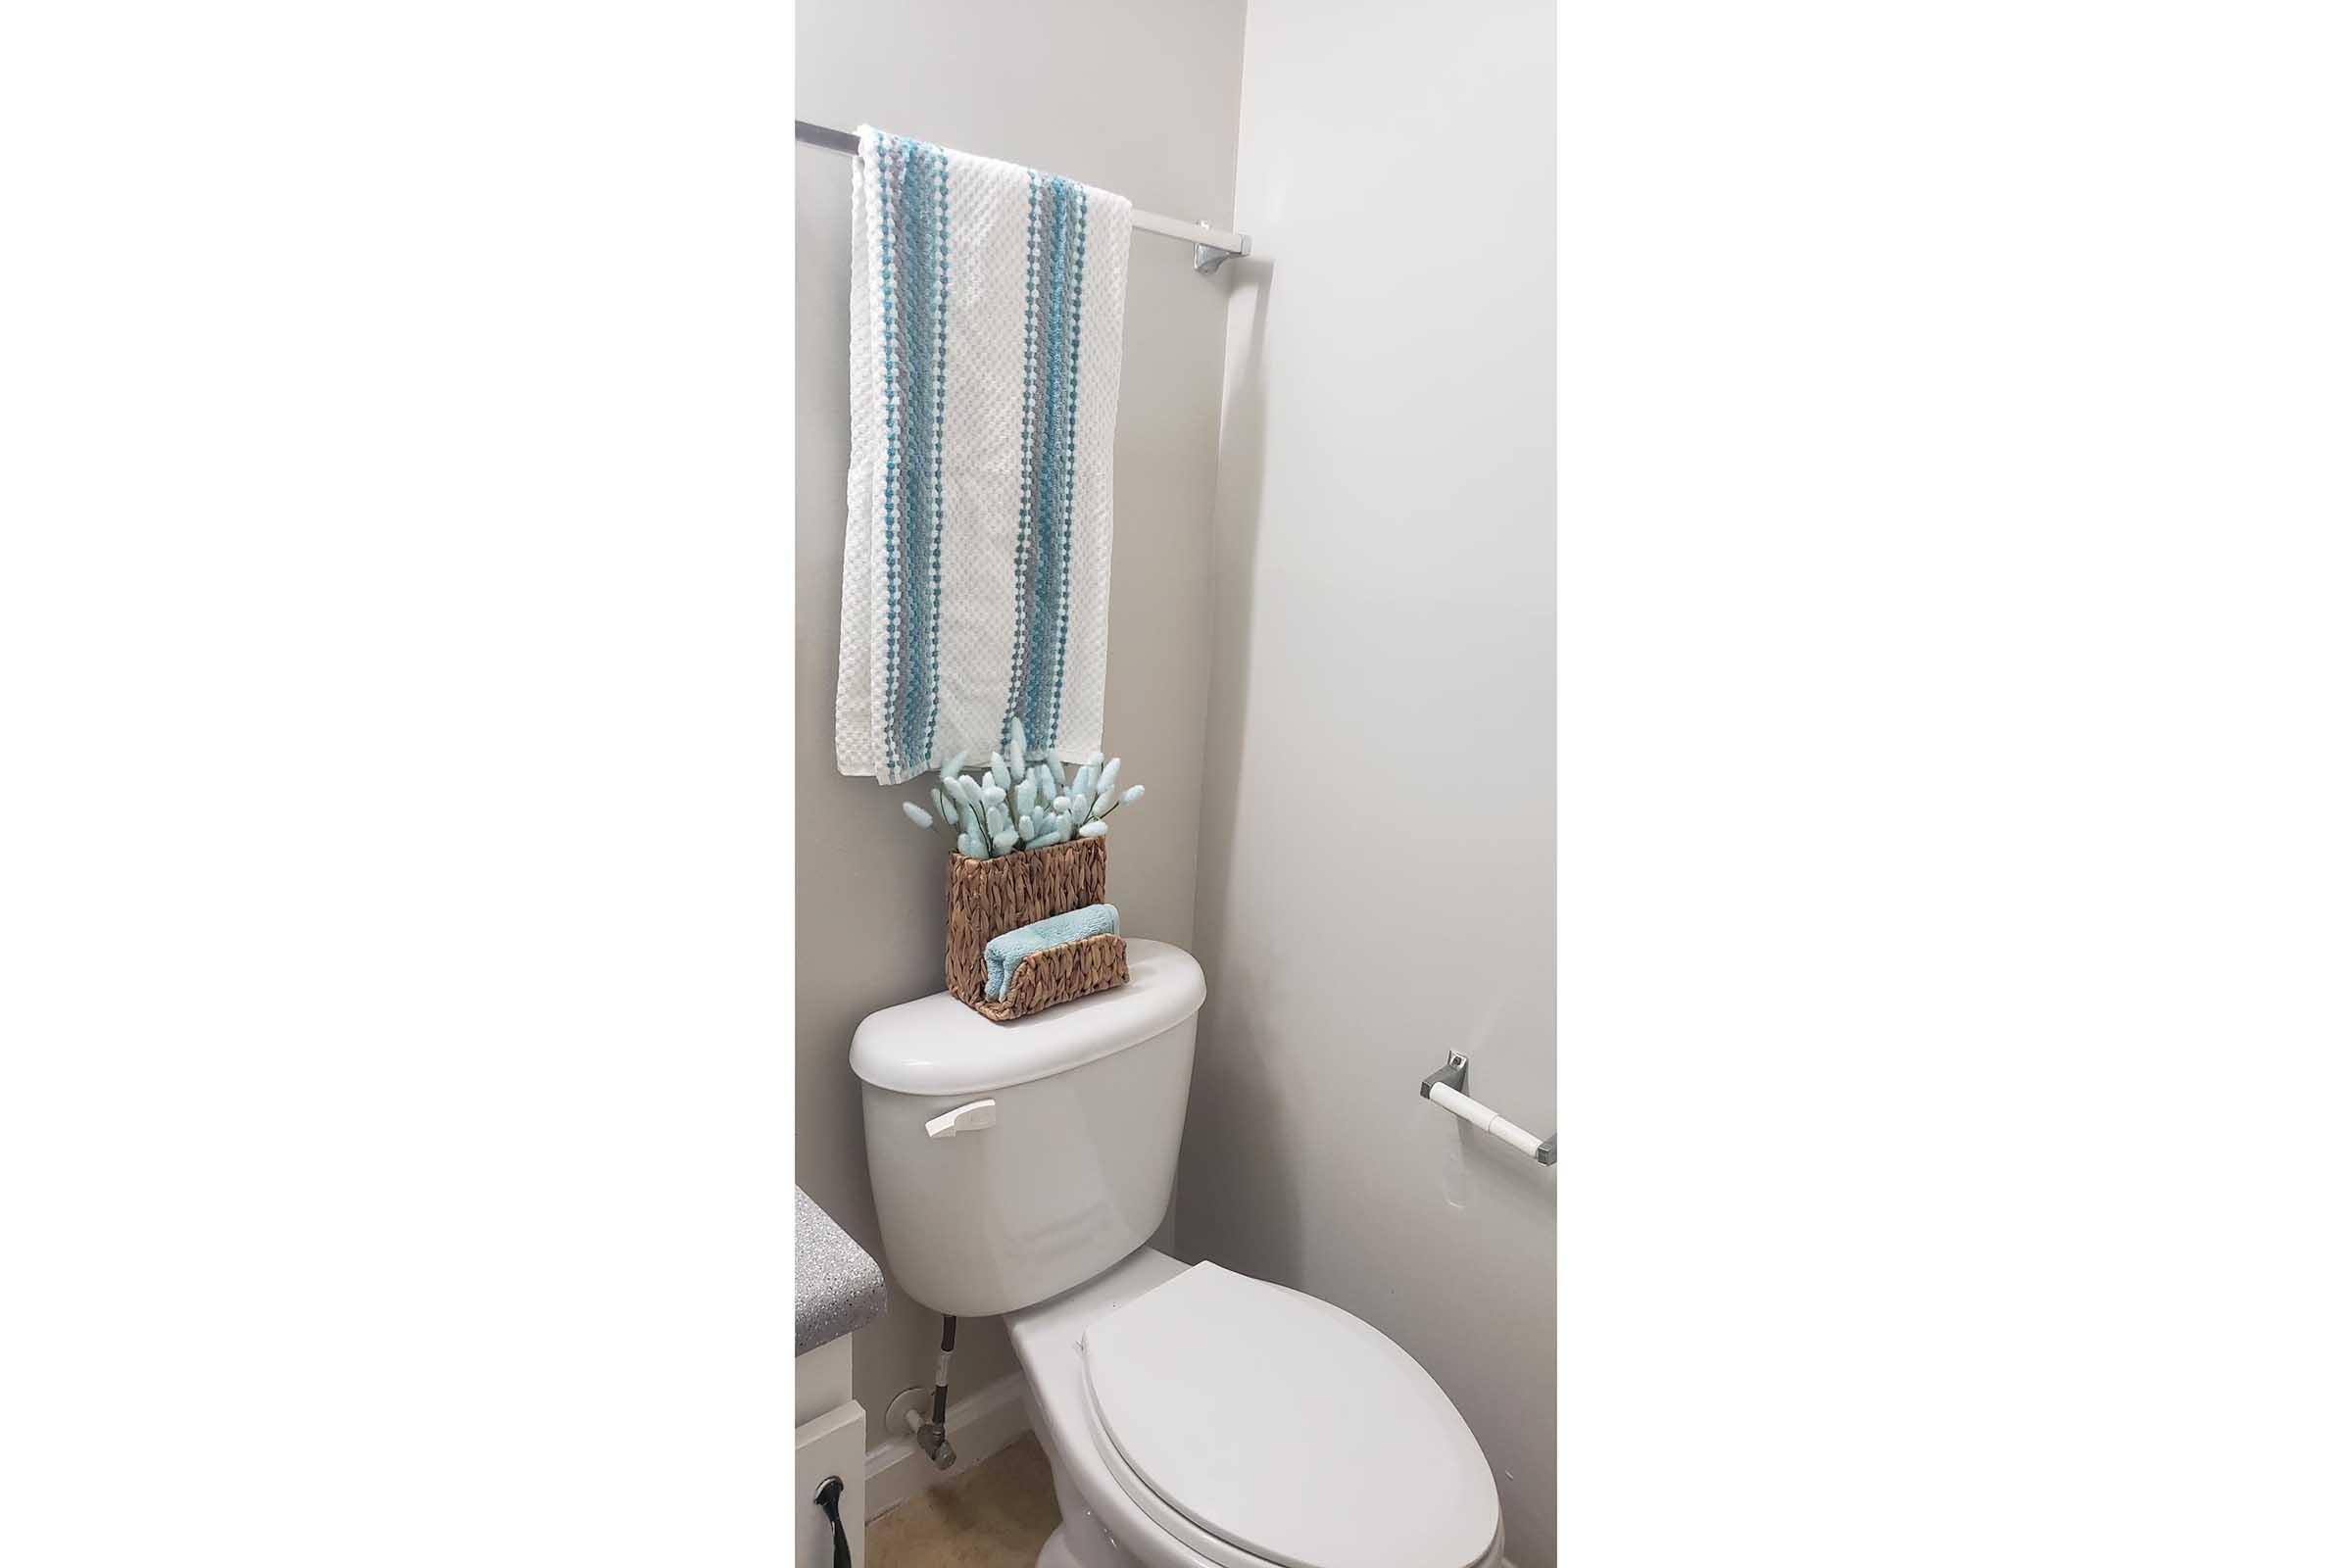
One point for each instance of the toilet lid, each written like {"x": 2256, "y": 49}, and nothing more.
{"x": 1281, "y": 1424}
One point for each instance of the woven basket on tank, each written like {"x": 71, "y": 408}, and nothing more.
{"x": 988, "y": 898}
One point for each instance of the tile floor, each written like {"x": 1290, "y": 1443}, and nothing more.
{"x": 995, "y": 1515}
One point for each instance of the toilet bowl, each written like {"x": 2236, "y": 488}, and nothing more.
{"x": 1199, "y": 1418}
{"x": 1194, "y": 1417}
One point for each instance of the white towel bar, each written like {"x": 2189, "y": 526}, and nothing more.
{"x": 1445, "y": 1088}
{"x": 1212, "y": 248}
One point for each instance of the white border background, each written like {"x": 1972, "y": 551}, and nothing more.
{"x": 1955, "y": 659}
{"x": 395, "y": 1139}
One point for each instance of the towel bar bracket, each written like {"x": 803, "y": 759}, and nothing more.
{"x": 1454, "y": 1078}
{"x": 1208, "y": 258}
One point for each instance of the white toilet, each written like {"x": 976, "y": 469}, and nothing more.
{"x": 1194, "y": 1417}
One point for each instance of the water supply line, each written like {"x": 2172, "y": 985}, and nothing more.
{"x": 932, "y": 1436}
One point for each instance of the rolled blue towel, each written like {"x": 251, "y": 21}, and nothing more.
{"x": 1005, "y": 952}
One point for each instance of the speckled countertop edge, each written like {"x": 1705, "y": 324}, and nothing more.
{"x": 837, "y": 1288}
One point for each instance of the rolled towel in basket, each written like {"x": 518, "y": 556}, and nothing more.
{"x": 1005, "y": 952}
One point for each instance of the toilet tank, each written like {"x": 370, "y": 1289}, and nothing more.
{"x": 1074, "y": 1170}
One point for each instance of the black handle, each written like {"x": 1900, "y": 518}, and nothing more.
{"x": 828, "y": 1498}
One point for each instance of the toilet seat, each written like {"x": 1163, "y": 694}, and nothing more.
{"x": 1260, "y": 1426}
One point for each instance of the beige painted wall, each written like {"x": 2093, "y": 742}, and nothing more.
{"x": 1376, "y": 853}
{"x": 1136, "y": 97}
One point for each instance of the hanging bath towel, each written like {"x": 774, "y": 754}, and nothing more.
{"x": 986, "y": 302}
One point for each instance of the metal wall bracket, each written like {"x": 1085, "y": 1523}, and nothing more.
{"x": 1453, "y": 1075}
{"x": 1208, "y": 258}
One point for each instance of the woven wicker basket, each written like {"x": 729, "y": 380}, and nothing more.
{"x": 988, "y": 898}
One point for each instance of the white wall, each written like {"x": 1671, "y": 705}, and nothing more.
{"x": 1375, "y": 872}
{"x": 1136, "y": 97}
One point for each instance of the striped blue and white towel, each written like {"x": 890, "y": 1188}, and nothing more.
{"x": 986, "y": 307}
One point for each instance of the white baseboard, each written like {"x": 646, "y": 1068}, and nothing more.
{"x": 979, "y": 1423}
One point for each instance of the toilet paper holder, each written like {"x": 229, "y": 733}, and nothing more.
{"x": 1445, "y": 1088}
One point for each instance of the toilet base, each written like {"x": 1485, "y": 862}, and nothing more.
{"x": 1079, "y": 1541}
{"x": 1056, "y": 1552}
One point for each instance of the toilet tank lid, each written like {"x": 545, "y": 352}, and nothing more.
{"x": 937, "y": 1045}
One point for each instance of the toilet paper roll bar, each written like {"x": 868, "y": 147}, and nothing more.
{"x": 1445, "y": 1086}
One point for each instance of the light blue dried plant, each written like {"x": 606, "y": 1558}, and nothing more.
{"x": 1004, "y": 812}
